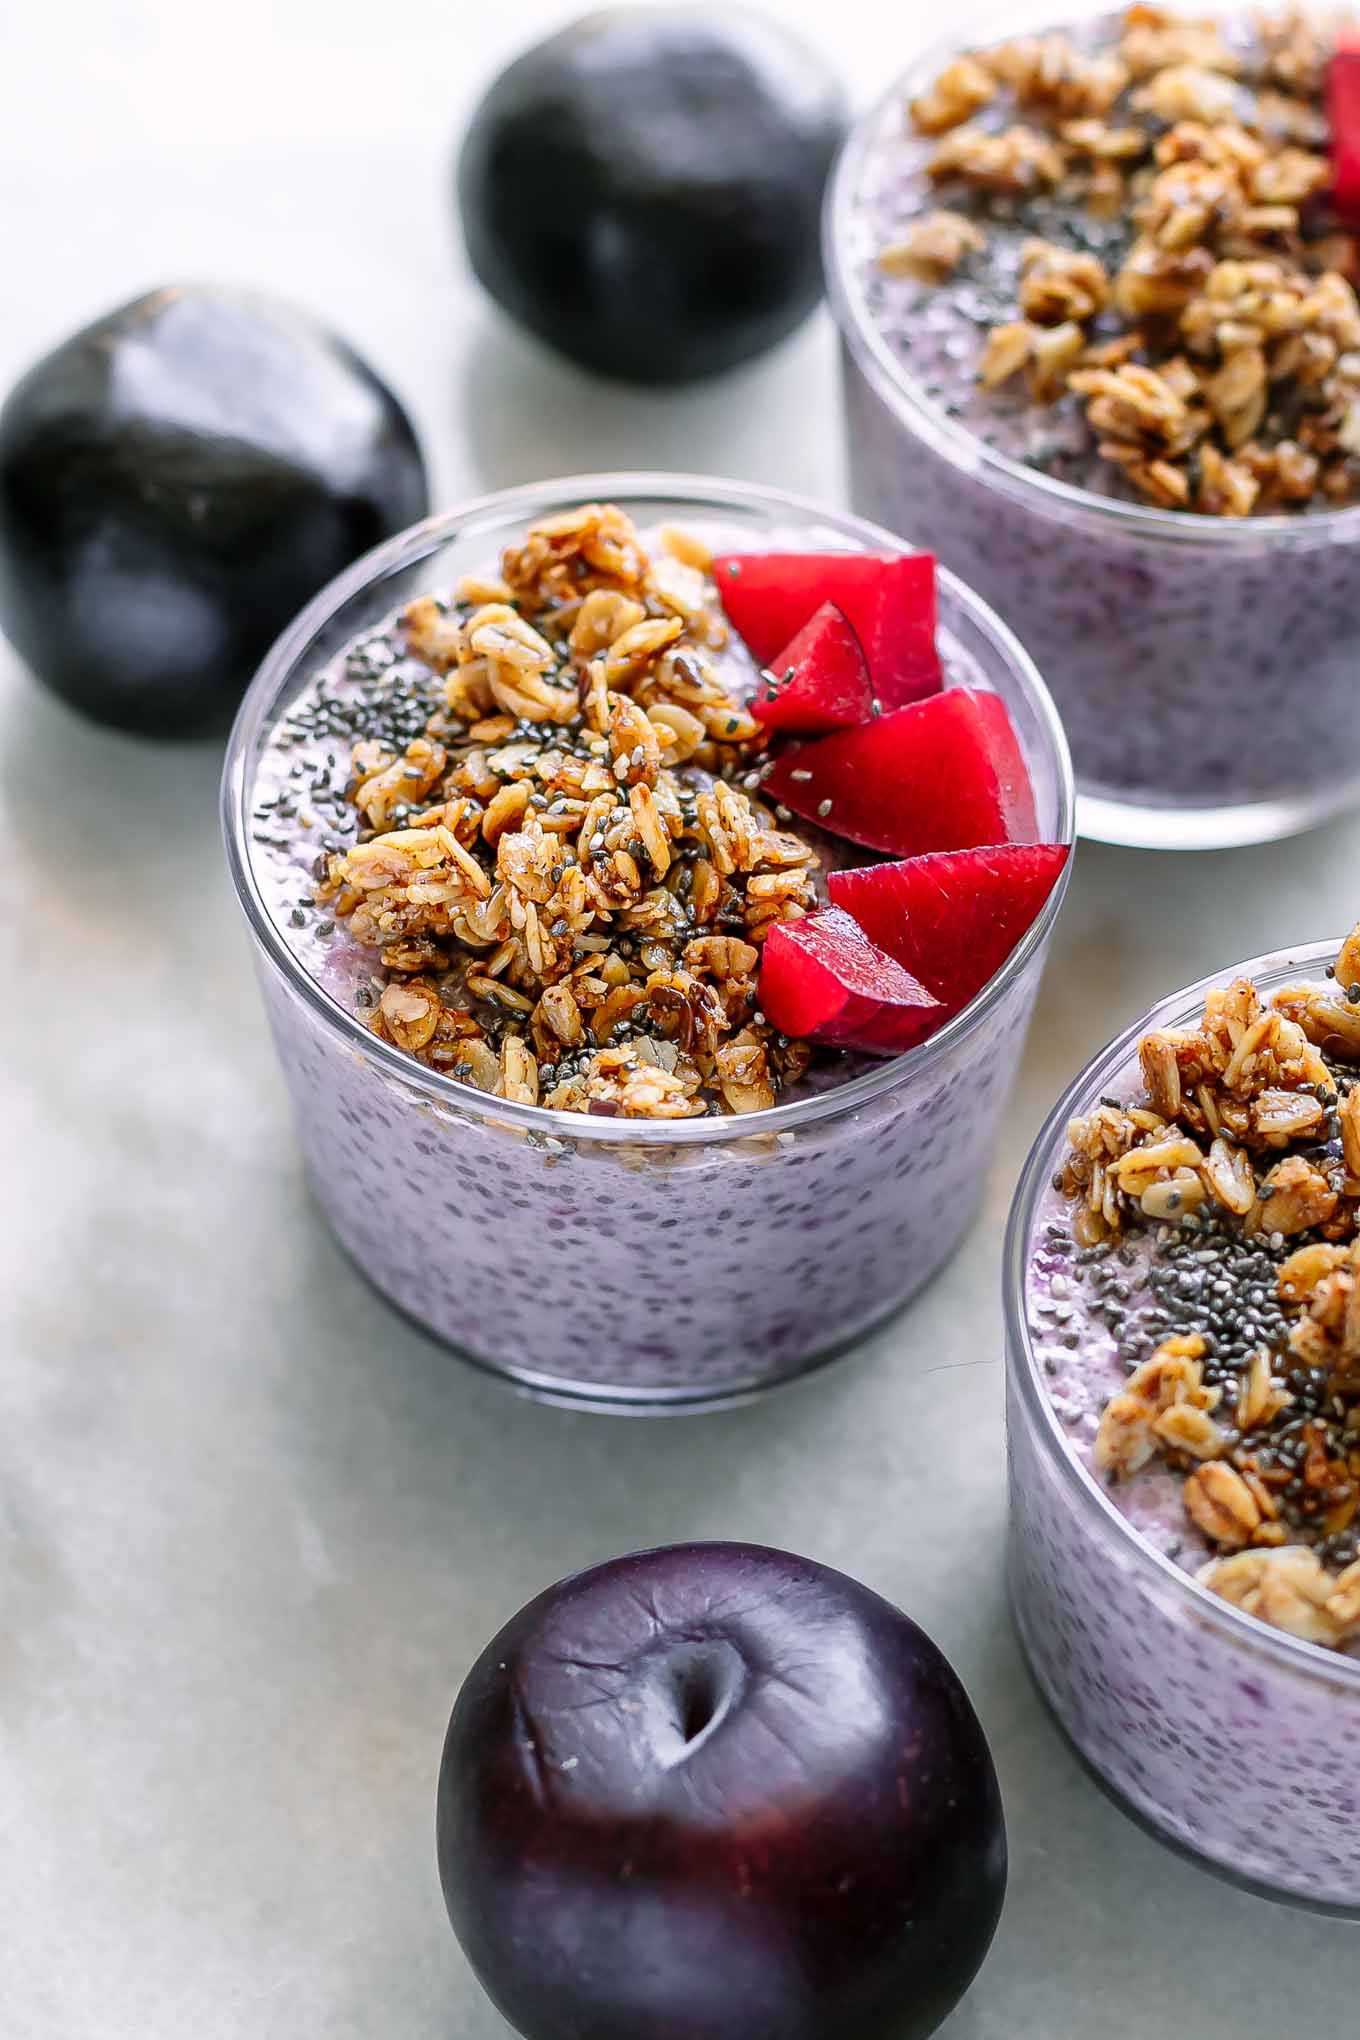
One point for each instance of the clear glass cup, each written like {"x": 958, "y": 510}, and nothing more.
{"x": 639, "y": 1264}
{"x": 1230, "y": 1739}
{"x": 1207, "y": 669}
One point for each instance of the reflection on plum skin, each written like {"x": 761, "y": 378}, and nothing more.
{"x": 526, "y": 414}
{"x": 686, "y": 1948}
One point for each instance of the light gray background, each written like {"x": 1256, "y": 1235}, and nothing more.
{"x": 254, "y": 1529}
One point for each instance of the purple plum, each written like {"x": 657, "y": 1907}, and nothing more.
{"x": 717, "y": 1792}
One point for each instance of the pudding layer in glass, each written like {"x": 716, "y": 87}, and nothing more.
{"x": 1100, "y": 342}
{"x": 622, "y": 1259}
{"x": 1184, "y": 1420}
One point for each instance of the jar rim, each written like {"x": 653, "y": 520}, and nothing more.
{"x": 1022, "y": 1364}
{"x": 696, "y": 494}
{"x": 902, "y": 394}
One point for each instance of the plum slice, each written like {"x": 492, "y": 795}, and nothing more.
{"x": 888, "y": 599}
{"x": 952, "y": 918}
{"x": 1343, "y": 113}
{"x": 945, "y": 774}
{"x": 820, "y": 680}
{"x": 822, "y": 979}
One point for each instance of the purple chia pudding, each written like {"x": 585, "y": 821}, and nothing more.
{"x": 1204, "y": 664}
{"x": 1225, "y": 1721}
{"x": 625, "y": 1263}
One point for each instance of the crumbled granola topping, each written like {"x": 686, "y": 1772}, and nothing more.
{"x": 1215, "y": 353}
{"x": 933, "y": 247}
{"x": 1011, "y": 163}
{"x": 961, "y": 89}
{"x": 1245, "y": 1141}
{"x": 568, "y": 872}
{"x": 1291, "y": 1589}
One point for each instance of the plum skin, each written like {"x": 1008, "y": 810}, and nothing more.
{"x": 176, "y": 481}
{"x": 717, "y": 1792}
{"x": 643, "y": 189}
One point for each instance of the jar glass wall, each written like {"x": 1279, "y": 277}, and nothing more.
{"x": 1206, "y": 669}
{"x": 634, "y": 1263}
{"x": 1235, "y": 1741}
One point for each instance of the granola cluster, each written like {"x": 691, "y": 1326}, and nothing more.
{"x": 1216, "y": 353}
{"x": 567, "y": 875}
{"x": 1250, "y": 1121}
{"x": 1236, "y": 1110}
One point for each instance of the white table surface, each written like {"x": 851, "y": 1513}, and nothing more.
{"x": 253, "y": 1529}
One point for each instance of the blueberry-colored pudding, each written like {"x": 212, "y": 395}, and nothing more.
{"x": 1184, "y": 1419}
{"x": 1101, "y": 342}
{"x": 499, "y": 815}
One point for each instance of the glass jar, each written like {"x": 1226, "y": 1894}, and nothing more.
{"x": 1231, "y": 1739}
{"x": 638, "y": 1263}
{"x": 1206, "y": 669}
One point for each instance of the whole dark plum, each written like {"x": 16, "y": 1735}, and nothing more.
{"x": 643, "y": 190}
{"x": 176, "y": 480}
{"x": 716, "y": 1792}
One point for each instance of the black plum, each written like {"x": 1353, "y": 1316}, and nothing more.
{"x": 643, "y": 190}
{"x": 717, "y": 1792}
{"x": 176, "y": 480}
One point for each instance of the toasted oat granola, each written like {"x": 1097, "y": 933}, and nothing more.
{"x": 567, "y": 875}
{"x": 1248, "y": 1124}
{"x": 1216, "y": 351}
